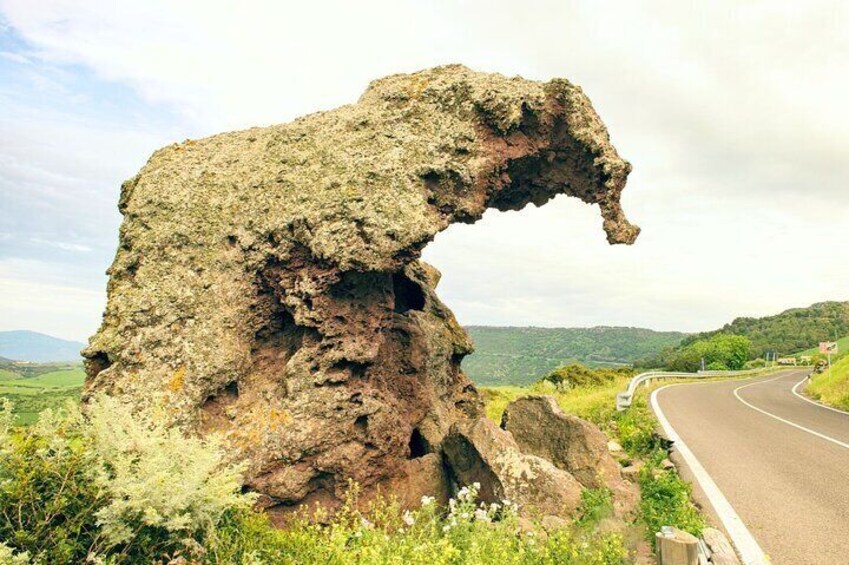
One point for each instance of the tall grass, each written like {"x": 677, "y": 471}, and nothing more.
{"x": 832, "y": 387}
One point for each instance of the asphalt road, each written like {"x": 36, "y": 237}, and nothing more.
{"x": 781, "y": 462}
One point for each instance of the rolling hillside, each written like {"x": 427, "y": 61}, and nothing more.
{"x": 842, "y": 348}
{"x": 790, "y": 331}
{"x": 24, "y": 345}
{"x": 522, "y": 355}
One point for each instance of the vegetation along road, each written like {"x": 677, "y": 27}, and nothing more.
{"x": 779, "y": 459}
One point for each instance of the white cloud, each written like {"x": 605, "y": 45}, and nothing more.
{"x": 733, "y": 115}
{"x": 36, "y": 295}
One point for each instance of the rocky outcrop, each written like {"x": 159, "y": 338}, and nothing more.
{"x": 574, "y": 445}
{"x": 267, "y": 284}
{"x": 480, "y": 452}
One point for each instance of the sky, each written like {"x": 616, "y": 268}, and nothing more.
{"x": 732, "y": 114}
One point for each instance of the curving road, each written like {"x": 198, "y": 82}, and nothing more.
{"x": 779, "y": 461}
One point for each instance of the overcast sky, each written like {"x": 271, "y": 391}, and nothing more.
{"x": 733, "y": 114}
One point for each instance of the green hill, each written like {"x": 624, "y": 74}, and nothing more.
{"x": 842, "y": 348}
{"x": 790, "y": 331}
{"x": 522, "y": 355}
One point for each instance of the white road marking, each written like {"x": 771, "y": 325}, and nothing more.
{"x": 814, "y": 402}
{"x": 749, "y": 549}
{"x": 782, "y": 420}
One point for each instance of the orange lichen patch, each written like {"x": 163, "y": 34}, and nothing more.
{"x": 278, "y": 419}
{"x": 178, "y": 381}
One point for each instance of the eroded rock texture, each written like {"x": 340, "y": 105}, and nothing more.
{"x": 573, "y": 445}
{"x": 266, "y": 284}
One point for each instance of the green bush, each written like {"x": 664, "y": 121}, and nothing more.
{"x": 575, "y": 375}
{"x": 635, "y": 430}
{"x": 758, "y": 363}
{"x": 596, "y": 504}
{"x": 727, "y": 352}
{"x": 666, "y": 499}
{"x": 116, "y": 485}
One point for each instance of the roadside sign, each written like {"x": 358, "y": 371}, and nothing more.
{"x": 828, "y": 347}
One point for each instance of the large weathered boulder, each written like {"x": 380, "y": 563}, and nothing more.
{"x": 481, "y": 452}
{"x": 540, "y": 427}
{"x": 267, "y": 284}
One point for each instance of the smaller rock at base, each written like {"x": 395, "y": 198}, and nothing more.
{"x": 551, "y": 523}
{"x": 614, "y": 447}
{"x": 632, "y": 472}
{"x": 480, "y": 452}
{"x": 667, "y": 465}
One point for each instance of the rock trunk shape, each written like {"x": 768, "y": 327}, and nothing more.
{"x": 267, "y": 283}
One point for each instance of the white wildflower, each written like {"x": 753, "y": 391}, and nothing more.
{"x": 427, "y": 500}
{"x": 482, "y": 515}
{"x": 366, "y": 524}
{"x": 408, "y": 518}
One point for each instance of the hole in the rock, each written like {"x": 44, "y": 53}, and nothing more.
{"x": 361, "y": 423}
{"x": 408, "y": 294}
{"x": 419, "y": 447}
{"x": 97, "y": 362}
{"x": 232, "y": 389}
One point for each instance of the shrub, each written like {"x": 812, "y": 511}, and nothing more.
{"x": 635, "y": 430}
{"x": 9, "y": 557}
{"x": 666, "y": 499}
{"x": 729, "y": 351}
{"x": 572, "y": 376}
{"x": 596, "y": 504}
{"x": 115, "y": 484}
{"x": 755, "y": 364}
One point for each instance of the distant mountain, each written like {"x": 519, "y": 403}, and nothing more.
{"x": 522, "y": 355}
{"x": 790, "y": 331}
{"x": 24, "y": 345}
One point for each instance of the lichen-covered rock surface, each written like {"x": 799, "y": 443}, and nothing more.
{"x": 481, "y": 452}
{"x": 267, "y": 284}
{"x": 574, "y": 445}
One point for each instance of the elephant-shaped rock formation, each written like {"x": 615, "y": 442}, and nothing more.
{"x": 267, "y": 285}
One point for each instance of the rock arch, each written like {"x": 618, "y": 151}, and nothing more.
{"x": 267, "y": 283}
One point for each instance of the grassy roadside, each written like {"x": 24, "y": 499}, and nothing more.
{"x": 833, "y": 388}
{"x": 665, "y": 497}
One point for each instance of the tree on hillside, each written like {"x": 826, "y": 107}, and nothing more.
{"x": 720, "y": 352}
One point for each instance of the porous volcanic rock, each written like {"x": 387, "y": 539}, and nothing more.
{"x": 267, "y": 283}
{"x": 541, "y": 428}
{"x": 481, "y": 452}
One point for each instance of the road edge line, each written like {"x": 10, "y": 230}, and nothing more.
{"x": 749, "y": 549}
{"x": 814, "y": 402}
{"x": 800, "y": 427}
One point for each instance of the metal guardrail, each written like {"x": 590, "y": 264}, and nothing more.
{"x": 624, "y": 398}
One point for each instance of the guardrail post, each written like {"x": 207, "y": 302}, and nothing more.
{"x": 676, "y": 547}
